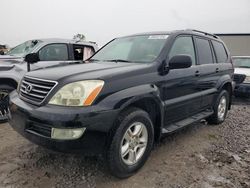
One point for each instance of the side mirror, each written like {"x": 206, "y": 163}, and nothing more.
{"x": 180, "y": 62}
{"x": 31, "y": 58}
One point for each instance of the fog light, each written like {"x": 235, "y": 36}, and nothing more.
{"x": 67, "y": 134}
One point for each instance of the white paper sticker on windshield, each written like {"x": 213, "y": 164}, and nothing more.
{"x": 159, "y": 37}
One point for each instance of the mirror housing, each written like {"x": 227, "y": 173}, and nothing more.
{"x": 180, "y": 62}
{"x": 31, "y": 58}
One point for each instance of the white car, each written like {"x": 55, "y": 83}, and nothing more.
{"x": 242, "y": 75}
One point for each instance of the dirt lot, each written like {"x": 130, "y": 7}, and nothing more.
{"x": 198, "y": 156}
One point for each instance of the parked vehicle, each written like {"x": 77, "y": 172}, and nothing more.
{"x": 137, "y": 89}
{"x": 242, "y": 76}
{"x": 50, "y": 52}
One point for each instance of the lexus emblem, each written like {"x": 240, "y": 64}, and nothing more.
{"x": 28, "y": 88}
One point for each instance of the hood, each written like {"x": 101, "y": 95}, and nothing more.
{"x": 245, "y": 71}
{"x": 95, "y": 70}
{"x": 3, "y": 57}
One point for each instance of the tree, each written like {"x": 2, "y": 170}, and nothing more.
{"x": 79, "y": 37}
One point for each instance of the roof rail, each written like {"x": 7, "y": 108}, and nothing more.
{"x": 205, "y": 33}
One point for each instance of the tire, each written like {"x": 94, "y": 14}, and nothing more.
{"x": 4, "y": 102}
{"x": 220, "y": 112}
{"x": 129, "y": 123}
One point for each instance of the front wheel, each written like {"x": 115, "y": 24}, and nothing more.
{"x": 220, "y": 108}
{"x": 131, "y": 144}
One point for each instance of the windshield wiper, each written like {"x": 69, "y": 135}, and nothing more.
{"x": 93, "y": 60}
{"x": 118, "y": 60}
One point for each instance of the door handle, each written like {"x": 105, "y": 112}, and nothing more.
{"x": 217, "y": 70}
{"x": 197, "y": 73}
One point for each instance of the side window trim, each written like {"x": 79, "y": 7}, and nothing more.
{"x": 195, "y": 50}
{"x": 227, "y": 55}
{"x": 198, "y": 60}
{"x": 83, "y": 46}
{"x": 213, "y": 52}
{"x": 53, "y": 44}
{"x": 184, "y": 35}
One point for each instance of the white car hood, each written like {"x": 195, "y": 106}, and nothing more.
{"x": 245, "y": 71}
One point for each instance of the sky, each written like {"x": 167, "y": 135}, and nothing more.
{"x": 103, "y": 20}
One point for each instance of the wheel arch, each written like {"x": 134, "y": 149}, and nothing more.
{"x": 229, "y": 88}
{"x": 8, "y": 84}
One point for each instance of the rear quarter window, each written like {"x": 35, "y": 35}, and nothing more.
{"x": 220, "y": 52}
{"x": 204, "y": 51}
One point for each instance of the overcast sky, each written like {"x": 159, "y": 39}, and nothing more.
{"x": 102, "y": 20}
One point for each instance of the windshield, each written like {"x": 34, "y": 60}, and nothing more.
{"x": 24, "y": 48}
{"x": 142, "y": 49}
{"x": 241, "y": 62}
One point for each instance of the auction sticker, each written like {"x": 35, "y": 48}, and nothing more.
{"x": 159, "y": 37}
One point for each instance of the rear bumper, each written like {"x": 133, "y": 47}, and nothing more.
{"x": 35, "y": 124}
{"x": 242, "y": 90}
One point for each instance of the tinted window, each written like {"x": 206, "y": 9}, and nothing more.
{"x": 183, "y": 45}
{"x": 220, "y": 52}
{"x": 54, "y": 52}
{"x": 204, "y": 51}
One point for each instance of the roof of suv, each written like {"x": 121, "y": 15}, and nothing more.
{"x": 186, "y": 31}
{"x": 70, "y": 41}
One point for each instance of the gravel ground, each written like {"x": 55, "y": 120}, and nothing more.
{"x": 198, "y": 156}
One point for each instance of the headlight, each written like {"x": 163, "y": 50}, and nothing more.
{"x": 82, "y": 93}
{"x": 247, "y": 80}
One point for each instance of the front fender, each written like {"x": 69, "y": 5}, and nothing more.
{"x": 123, "y": 98}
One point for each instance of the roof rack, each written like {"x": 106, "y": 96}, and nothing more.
{"x": 205, "y": 33}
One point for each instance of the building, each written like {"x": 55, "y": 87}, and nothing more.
{"x": 237, "y": 43}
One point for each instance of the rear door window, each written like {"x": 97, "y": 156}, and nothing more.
{"x": 204, "y": 51}
{"x": 220, "y": 52}
{"x": 83, "y": 52}
{"x": 183, "y": 46}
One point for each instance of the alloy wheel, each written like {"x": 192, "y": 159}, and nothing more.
{"x": 134, "y": 143}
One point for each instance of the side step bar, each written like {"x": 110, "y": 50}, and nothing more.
{"x": 178, "y": 125}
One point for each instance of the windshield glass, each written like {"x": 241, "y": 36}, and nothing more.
{"x": 241, "y": 62}
{"x": 24, "y": 48}
{"x": 142, "y": 49}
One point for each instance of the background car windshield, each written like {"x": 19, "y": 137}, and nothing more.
{"x": 242, "y": 62}
{"x": 24, "y": 48}
{"x": 142, "y": 49}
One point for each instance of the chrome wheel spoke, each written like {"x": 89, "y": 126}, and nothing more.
{"x": 138, "y": 130}
{"x": 141, "y": 145}
{"x": 125, "y": 151}
{"x": 132, "y": 156}
{"x": 128, "y": 135}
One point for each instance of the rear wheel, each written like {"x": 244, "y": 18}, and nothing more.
{"x": 131, "y": 144}
{"x": 220, "y": 108}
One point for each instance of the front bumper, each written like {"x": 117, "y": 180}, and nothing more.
{"x": 35, "y": 124}
{"x": 242, "y": 90}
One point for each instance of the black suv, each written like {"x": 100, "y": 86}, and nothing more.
{"x": 135, "y": 90}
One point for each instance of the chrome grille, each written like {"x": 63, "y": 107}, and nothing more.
{"x": 35, "y": 90}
